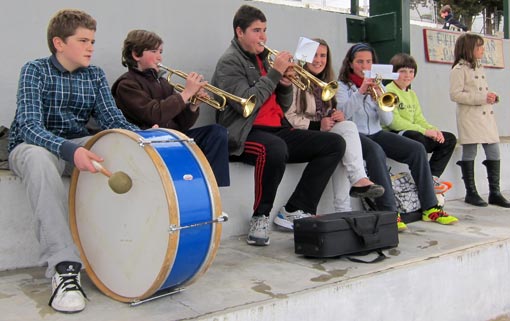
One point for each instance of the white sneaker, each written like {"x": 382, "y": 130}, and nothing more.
{"x": 286, "y": 219}
{"x": 259, "y": 234}
{"x": 68, "y": 295}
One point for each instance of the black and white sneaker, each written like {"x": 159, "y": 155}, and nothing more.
{"x": 68, "y": 295}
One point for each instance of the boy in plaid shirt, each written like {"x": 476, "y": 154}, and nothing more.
{"x": 56, "y": 97}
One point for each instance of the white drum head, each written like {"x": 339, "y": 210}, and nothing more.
{"x": 124, "y": 238}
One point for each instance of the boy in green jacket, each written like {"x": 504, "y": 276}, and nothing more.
{"x": 408, "y": 120}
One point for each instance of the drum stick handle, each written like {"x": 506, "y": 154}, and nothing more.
{"x": 101, "y": 169}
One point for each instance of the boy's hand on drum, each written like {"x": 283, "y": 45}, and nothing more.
{"x": 82, "y": 160}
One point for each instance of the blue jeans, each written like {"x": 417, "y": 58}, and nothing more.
{"x": 213, "y": 141}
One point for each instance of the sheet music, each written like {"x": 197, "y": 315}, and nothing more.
{"x": 383, "y": 71}
{"x": 306, "y": 49}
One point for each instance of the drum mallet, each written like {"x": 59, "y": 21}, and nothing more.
{"x": 119, "y": 181}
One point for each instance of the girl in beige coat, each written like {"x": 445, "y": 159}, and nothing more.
{"x": 476, "y": 123}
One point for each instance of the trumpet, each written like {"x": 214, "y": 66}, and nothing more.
{"x": 248, "y": 104}
{"x": 387, "y": 101}
{"x": 305, "y": 79}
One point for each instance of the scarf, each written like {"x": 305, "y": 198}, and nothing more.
{"x": 357, "y": 80}
{"x": 320, "y": 106}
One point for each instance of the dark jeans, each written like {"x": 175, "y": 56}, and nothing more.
{"x": 441, "y": 152}
{"x": 213, "y": 141}
{"x": 401, "y": 149}
{"x": 269, "y": 149}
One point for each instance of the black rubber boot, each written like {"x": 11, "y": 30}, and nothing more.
{"x": 493, "y": 173}
{"x": 468, "y": 175}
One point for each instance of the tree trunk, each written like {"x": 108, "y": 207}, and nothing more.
{"x": 489, "y": 28}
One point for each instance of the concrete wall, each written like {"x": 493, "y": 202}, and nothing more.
{"x": 196, "y": 33}
{"x": 432, "y": 85}
{"x": 194, "y": 41}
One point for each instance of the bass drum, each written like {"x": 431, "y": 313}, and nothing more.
{"x": 160, "y": 235}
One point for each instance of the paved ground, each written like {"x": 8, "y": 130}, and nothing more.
{"x": 243, "y": 275}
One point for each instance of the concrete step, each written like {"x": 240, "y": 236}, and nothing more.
{"x": 19, "y": 248}
{"x": 445, "y": 273}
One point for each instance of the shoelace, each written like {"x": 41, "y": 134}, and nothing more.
{"x": 68, "y": 282}
{"x": 259, "y": 224}
{"x": 437, "y": 214}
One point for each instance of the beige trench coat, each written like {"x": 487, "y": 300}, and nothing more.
{"x": 476, "y": 122}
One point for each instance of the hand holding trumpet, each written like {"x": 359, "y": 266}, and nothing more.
{"x": 194, "y": 86}
{"x": 299, "y": 76}
{"x": 387, "y": 101}
{"x": 283, "y": 63}
{"x": 247, "y": 104}
{"x": 367, "y": 84}
{"x": 288, "y": 76}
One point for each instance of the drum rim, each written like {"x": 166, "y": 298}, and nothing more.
{"x": 173, "y": 238}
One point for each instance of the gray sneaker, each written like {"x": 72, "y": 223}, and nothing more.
{"x": 258, "y": 234}
{"x": 286, "y": 219}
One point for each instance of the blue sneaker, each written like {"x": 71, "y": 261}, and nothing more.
{"x": 286, "y": 219}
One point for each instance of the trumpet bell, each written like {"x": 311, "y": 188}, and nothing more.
{"x": 248, "y": 105}
{"x": 305, "y": 79}
{"x": 388, "y": 101}
{"x": 329, "y": 91}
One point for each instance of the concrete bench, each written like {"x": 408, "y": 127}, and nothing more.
{"x": 19, "y": 248}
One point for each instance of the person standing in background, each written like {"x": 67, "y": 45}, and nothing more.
{"x": 476, "y": 122}
{"x": 450, "y": 23}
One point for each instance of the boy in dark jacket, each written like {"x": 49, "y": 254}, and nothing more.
{"x": 146, "y": 99}
{"x": 450, "y": 22}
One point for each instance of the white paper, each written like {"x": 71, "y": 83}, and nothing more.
{"x": 306, "y": 49}
{"x": 383, "y": 71}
